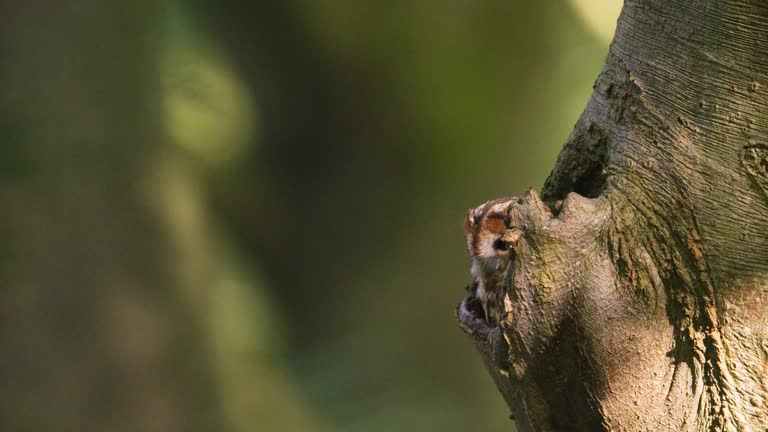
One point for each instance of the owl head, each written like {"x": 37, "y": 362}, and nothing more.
{"x": 490, "y": 232}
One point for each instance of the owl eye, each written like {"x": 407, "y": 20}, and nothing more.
{"x": 501, "y": 245}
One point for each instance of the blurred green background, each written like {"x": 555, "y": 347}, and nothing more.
{"x": 247, "y": 216}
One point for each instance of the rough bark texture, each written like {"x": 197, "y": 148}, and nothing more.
{"x": 641, "y": 305}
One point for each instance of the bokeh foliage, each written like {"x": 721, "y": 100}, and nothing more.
{"x": 231, "y": 215}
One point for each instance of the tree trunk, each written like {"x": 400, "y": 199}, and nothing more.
{"x": 639, "y": 304}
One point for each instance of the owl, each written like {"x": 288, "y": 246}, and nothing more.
{"x": 490, "y": 236}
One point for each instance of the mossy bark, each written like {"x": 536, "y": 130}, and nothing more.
{"x": 641, "y": 306}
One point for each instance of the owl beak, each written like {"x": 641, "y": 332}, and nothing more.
{"x": 503, "y": 246}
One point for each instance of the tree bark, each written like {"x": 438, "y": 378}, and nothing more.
{"x": 640, "y": 304}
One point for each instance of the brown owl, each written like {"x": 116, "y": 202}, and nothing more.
{"x": 490, "y": 234}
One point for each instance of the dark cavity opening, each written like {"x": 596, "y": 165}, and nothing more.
{"x": 581, "y": 166}
{"x": 592, "y": 182}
